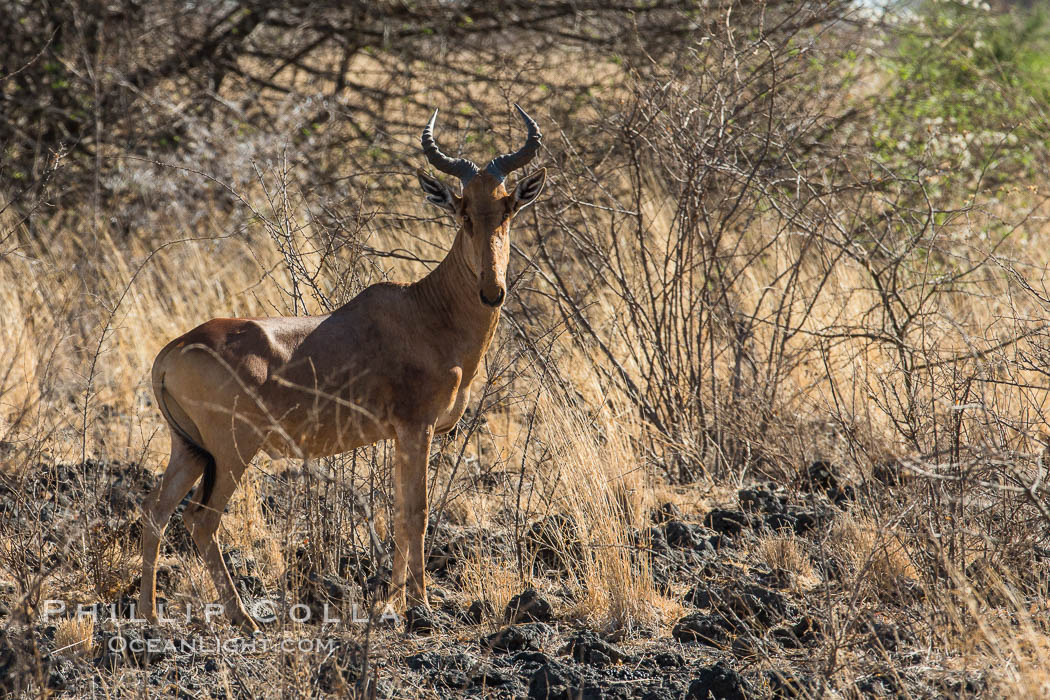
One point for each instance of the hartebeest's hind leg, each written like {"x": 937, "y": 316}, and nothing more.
{"x": 202, "y": 521}
{"x": 184, "y": 468}
{"x": 410, "y": 513}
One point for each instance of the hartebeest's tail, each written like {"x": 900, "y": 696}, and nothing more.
{"x": 162, "y": 395}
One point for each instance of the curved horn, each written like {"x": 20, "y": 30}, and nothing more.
{"x": 501, "y": 166}
{"x": 460, "y": 167}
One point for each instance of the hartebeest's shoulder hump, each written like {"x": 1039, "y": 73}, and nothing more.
{"x": 252, "y": 347}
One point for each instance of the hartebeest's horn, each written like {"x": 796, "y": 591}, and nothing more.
{"x": 460, "y": 167}
{"x": 501, "y": 166}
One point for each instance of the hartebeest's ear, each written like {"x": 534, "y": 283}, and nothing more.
{"x": 528, "y": 189}
{"x": 437, "y": 193}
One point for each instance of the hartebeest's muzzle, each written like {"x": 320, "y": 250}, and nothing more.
{"x": 493, "y": 298}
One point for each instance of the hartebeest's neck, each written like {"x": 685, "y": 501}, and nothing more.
{"x": 450, "y": 296}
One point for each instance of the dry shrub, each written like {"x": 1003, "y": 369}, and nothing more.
{"x": 876, "y": 556}
{"x": 110, "y": 561}
{"x": 1007, "y": 641}
{"x": 785, "y": 552}
{"x": 1019, "y": 660}
{"x": 75, "y": 636}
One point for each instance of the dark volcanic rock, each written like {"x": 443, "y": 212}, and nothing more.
{"x": 445, "y": 551}
{"x": 238, "y": 563}
{"x": 587, "y": 647}
{"x": 250, "y": 586}
{"x": 960, "y": 685}
{"x": 702, "y": 628}
{"x": 665, "y": 513}
{"x": 419, "y": 619}
{"x": 744, "y": 602}
{"x": 785, "y": 684}
{"x": 342, "y": 669}
{"x": 177, "y": 539}
{"x": 476, "y": 612}
{"x": 329, "y": 588}
{"x": 528, "y": 606}
{"x": 357, "y": 566}
{"x": 527, "y": 637}
{"x": 134, "y": 647}
{"x": 557, "y": 681}
{"x": 831, "y": 567}
{"x": 668, "y": 689}
{"x": 378, "y": 584}
{"x": 890, "y": 473}
{"x": 779, "y": 522}
{"x": 719, "y": 682}
{"x": 822, "y": 477}
{"x": 18, "y": 663}
{"x": 129, "y": 485}
{"x": 458, "y": 671}
{"x": 664, "y": 660}
{"x": 168, "y": 576}
{"x": 529, "y": 661}
{"x": 442, "y": 558}
{"x": 806, "y": 521}
{"x": 886, "y": 636}
{"x": 749, "y": 646}
{"x": 61, "y": 673}
{"x": 761, "y": 500}
{"x": 449, "y": 546}
{"x": 687, "y": 536}
{"x": 727, "y": 522}
{"x": 805, "y": 632}
{"x": 775, "y": 578}
{"x": 670, "y": 564}
{"x": 325, "y": 594}
{"x": 880, "y": 685}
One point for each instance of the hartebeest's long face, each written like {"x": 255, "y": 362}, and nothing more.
{"x": 485, "y": 209}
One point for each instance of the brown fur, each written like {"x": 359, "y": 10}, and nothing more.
{"x": 396, "y": 362}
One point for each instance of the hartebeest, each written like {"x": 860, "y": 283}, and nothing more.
{"x": 396, "y": 362}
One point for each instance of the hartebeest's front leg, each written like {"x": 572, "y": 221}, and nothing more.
{"x": 410, "y": 513}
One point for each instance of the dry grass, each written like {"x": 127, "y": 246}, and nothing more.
{"x": 593, "y": 476}
{"x": 784, "y": 552}
{"x": 876, "y": 555}
{"x": 75, "y": 636}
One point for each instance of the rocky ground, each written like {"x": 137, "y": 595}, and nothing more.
{"x": 749, "y": 630}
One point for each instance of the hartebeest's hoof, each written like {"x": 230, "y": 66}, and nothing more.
{"x": 401, "y": 600}
{"x": 246, "y": 625}
{"x": 248, "y": 628}
{"x": 147, "y": 613}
